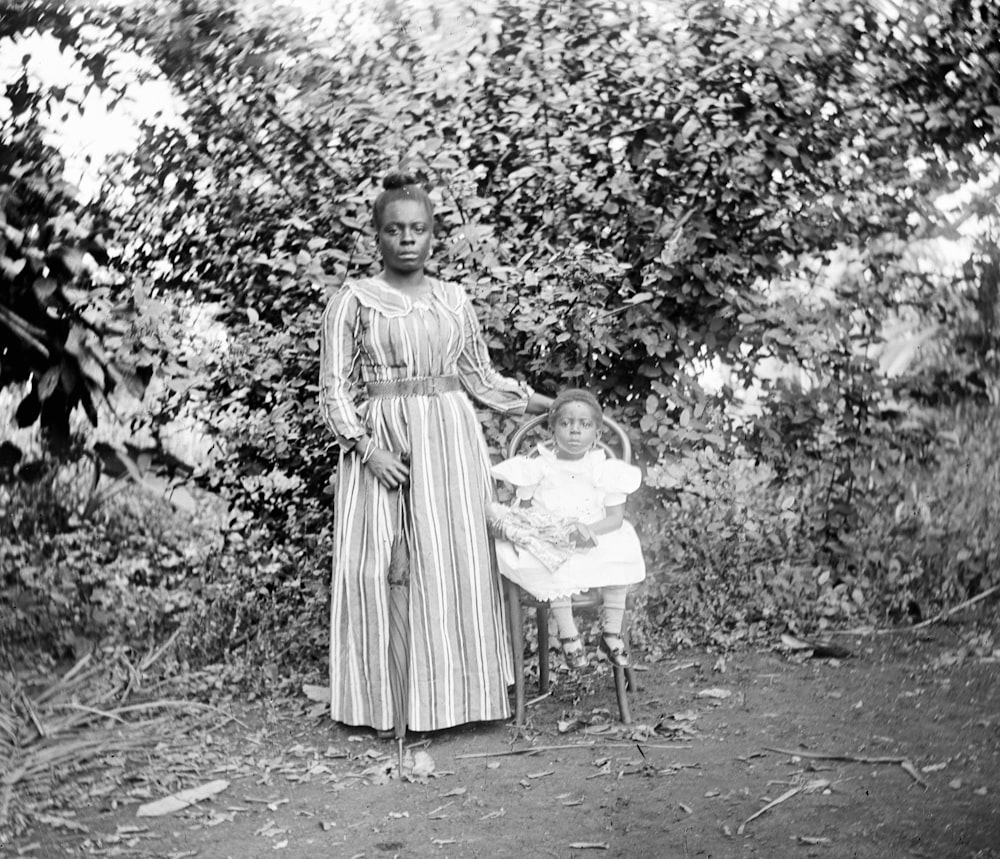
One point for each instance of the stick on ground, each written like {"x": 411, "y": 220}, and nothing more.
{"x": 903, "y": 763}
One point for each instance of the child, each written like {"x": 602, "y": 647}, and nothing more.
{"x": 572, "y": 478}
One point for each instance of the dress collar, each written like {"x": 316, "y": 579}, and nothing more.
{"x": 376, "y": 294}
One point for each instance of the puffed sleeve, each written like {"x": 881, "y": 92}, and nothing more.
{"x": 616, "y": 479}
{"x": 479, "y": 377}
{"x": 521, "y": 472}
{"x": 339, "y": 391}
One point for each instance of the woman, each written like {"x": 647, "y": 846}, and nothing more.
{"x": 401, "y": 354}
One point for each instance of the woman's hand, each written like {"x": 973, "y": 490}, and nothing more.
{"x": 389, "y": 469}
{"x": 538, "y": 404}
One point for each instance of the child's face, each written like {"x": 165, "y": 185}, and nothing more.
{"x": 574, "y": 430}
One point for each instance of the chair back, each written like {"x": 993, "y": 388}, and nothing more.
{"x": 624, "y": 451}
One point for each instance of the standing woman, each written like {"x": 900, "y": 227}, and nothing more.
{"x": 401, "y": 355}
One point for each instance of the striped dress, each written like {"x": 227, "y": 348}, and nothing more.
{"x": 458, "y": 653}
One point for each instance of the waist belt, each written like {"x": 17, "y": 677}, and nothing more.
{"x": 427, "y": 386}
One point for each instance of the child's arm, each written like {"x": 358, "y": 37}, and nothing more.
{"x": 614, "y": 516}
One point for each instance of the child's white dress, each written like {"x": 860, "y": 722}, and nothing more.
{"x": 578, "y": 489}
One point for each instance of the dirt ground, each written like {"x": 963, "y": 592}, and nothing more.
{"x": 893, "y": 751}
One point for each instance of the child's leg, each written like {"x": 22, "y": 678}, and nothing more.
{"x": 569, "y": 636}
{"x": 562, "y": 612}
{"x": 614, "y": 614}
{"x": 614, "y": 609}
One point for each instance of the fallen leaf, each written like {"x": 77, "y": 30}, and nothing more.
{"x": 955, "y": 783}
{"x": 933, "y": 768}
{"x": 218, "y": 817}
{"x": 436, "y": 813}
{"x": 316, "y": 693}
{"x": 541, "y": 774}
{"x": 422, "y": 768}
{"x": 458, "y": 791}
{"x": 181, "y": 799}
{"x": 714, "y": 693}
{"x": 788, "y": 794}
{"x": 61, "y": 822}
{"x": 642, "y": 732}
{"x": 683, "y": 667}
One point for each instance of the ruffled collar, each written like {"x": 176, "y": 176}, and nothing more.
{"x": 376, "y": 294}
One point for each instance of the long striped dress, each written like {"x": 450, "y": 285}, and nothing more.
{"x": 459, "y": 657}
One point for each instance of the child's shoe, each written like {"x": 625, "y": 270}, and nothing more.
{"x": 573, "y": 652}
{"x": 614, "y": 648}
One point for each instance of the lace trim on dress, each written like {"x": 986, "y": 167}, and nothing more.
{"x": 375, "y": 294}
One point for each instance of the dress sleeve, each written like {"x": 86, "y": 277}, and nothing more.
{"x": 616, "y": 479}
{"x": 520, "y": 472}
{"x": 479, "y": 377}
{"x": 339, "y": 390}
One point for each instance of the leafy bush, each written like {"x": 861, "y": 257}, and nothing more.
{"x": 745, "y": 554}
{"x": 129, "y": 574}
{"x": 619, "y": 221}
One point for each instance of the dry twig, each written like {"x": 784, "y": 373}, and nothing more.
{"x": 904, "y": 763}
{"x": 529, "y": 751}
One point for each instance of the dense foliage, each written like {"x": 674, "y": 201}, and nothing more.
{"x": 631, "y": 194}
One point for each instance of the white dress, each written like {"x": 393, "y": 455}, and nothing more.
{"x": 576, "y": 489}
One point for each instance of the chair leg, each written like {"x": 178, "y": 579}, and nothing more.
{"x": 542, "y": 624}
{"x": 516, "y": 622}
{"x": 620, "y": 691}
{"x": 625, "y": 682}
{"x": 632, "y": 682}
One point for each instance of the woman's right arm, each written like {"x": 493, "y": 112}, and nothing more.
{"x": 339, "y": 354}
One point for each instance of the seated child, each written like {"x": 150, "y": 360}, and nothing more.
{"x": 572, "y": 478}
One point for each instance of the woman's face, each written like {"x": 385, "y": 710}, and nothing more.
{"x": 574, "y": 430}
{"x": 404, "y": 236}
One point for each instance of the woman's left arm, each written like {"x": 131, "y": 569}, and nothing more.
{"x": 481, "y": 379}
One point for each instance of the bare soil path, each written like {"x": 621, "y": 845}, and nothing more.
{"x": 892, "y": 752}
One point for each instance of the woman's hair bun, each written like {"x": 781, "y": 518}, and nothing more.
{"x": 399, "y": 179}
{"x": 400, "y": 185}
